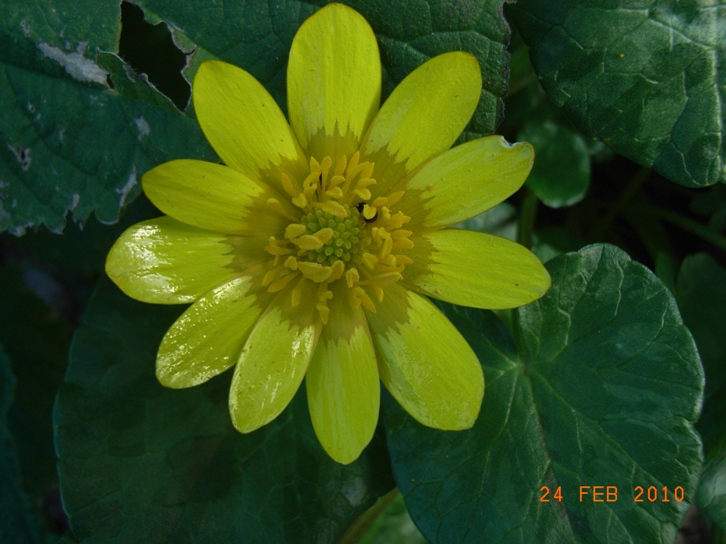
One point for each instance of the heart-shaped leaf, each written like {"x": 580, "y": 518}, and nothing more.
{"x": 586, "y": 431}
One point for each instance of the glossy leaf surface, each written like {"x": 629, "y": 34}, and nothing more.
{"x": 599, "y": 375}
{"x": 642, "y": 77}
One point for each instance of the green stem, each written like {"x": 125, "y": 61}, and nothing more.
{"x": 362, "y": 523}
{"x": 626, "y": 196}
{"x": 694, "y": 227}
{"x": 527, "y": 216}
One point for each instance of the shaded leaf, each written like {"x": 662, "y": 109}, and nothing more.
{"x": 561, "y": 172}
{"x": 73, "y": 144}
{"x": 37, "y": 338}
{"x": 642, "y": 78}
{"x": 69, "y": 142}
{"x": 600, "y": 374}
{"x": 18, "y": 523}
{"x": 142, "y": 463}
{"x": 711, "y": 495}
{"x": 701, "y": 295}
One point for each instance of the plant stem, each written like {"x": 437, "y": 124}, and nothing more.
{"x": 688, "y": 224}
{"x": 634, "y": 185}
{"x": 362, "y": 523}
{"x": 527, "y": 216}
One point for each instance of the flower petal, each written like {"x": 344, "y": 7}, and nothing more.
{"x": 465, "y": 181}
{"x": 242, "y": 121}
{"x": 207, "y": 339}
{"x": 163, "y": 261}
{"x": 475, "y": 269}
{"x": 425, "y": 362}
{"x": 273, "y": 361}
{"x": 423, "y": 116}
{"x": 215, "y": 197}
{"x": 342, "y": 383}
{"x": 333, "y": 81}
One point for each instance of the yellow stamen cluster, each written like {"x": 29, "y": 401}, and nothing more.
{"x": 340, "y": 232}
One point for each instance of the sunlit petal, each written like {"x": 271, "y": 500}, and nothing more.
{"x": 465, "y": 181}
{"x": 342, "y": 383}
{"x": 333, "y": 81}
{"x": 243, "y": 122}
{"x": 425, "y": 362}
{"x": 164, "y": 261}
{"x": 273, "y": 362}
{"x": 475, "y": 269}
{"x": 423, "y": 117}
{"x": 208, "y": 338}
{"x": 214, "y": 197}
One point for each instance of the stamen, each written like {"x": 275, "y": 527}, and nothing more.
{"x": 322, "y": 305}
{"x": 294, "y": 230}
{"x": 281, "y": 283}
{"x": 272, "y": 275}
{"x": 315, "y": 271}
{"x": 297, "y": 292}
{"x": 369, "y": 212}
{"x": 308, "y": 242}
{"x": 393, "y": 198}
{"x": 352, "y": 277}
{"x": 332, "y": 208}
{"x": 275, "y": 206}
{"x": 287, "y": 184}
{"x": 343, "y": 232}
{"x": 403, "y": 243}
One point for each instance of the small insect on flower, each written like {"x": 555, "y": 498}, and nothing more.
{"x": 309, "y": 253}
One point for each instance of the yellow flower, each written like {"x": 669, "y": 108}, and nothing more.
{"x": 307, "y": 254}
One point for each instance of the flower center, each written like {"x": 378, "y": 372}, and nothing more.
{"x": 341, "y": 234}
{"x": 349, "y": 234}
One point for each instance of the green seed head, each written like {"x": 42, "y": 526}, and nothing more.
{"x": 346, "y": 243}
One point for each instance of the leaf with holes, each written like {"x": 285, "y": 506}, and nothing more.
{"x": 643, "y": 78}
{"x": 73, "y": 144}
{"x": 599, "y": 386}
{"x": 142, "y": 463}
{"x": 70, "y": 143}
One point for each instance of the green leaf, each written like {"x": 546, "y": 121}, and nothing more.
{"x": 561, "y": 172}
{"x": 70, "y": 143}
{"x": 142, "y": 463}
{"x": 642, "y": 78}
{"x": 256, "y": 35}
{"x": 711, "y": 495}
{"x": 18, "y": 523}
{"x": 599, "y": 387}
{"x": 701, "y": 295}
